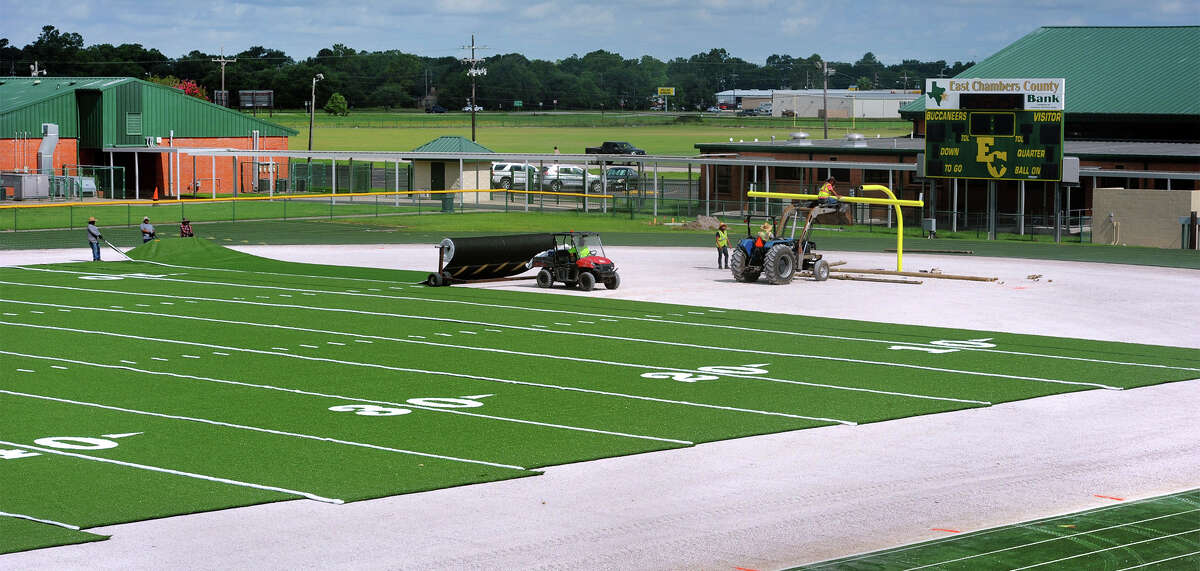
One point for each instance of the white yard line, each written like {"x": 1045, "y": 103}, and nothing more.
{"x": 460, "y": 376}
{"x": 1149, "y": 563}
{"x": 371, "y": 365}
{"x": 650, "y": 318}
{"x": 1068, "y": 536}
{"x": 40, "y": 520}
{"x": 544, "y": 329}
{"x": 641, "y": 366}
{"x": 265, "y": 430}
{"x": 1122, "y": 546}
{"x": 174, "y": 472}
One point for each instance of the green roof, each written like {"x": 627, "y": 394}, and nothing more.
{"x": 1108, "y": 70}
{"x": 452, "y": 144}
{"x": 114, "y": 111}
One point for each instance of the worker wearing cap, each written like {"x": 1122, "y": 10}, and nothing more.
{"x": 185, "y": 229}
{"x": 765, "y": 231}
{"x": 722, "y": 246}
{"x": 147, "y": 230}
{"x": 827, "y": 194}
{"x": 94, "y": 238}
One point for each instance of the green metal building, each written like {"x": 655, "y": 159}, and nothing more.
{"x": 124, "y": 122}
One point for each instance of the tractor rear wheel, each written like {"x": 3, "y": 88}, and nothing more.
{"x": 544, "y": 279}
{"x": 737, "y": 266}
{"x": 780, "y": 265}
{"x": 587, "y": 281}
{"x": 614, "y": 282}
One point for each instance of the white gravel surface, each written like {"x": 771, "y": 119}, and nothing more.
{"x": 762, "y": 502}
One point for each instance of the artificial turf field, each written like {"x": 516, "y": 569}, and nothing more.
{"x": 204, "y": 379}
{"x": 1156, "y": 533}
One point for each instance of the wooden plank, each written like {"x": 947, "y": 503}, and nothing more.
{"x": 916, "y": 274}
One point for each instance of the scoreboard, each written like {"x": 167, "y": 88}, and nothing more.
{"x": 994, "y": 129}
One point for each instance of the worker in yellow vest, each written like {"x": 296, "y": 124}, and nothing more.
{"x": 722, "y": 246}
{"x": 827, "y": 194}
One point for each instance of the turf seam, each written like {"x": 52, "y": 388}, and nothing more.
{"x": 176, "y": 472}
{"x": 264, "y": 430}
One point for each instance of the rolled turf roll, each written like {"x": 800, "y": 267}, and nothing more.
{"x": 487, "y": 257}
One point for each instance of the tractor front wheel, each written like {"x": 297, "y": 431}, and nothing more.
{"x": 780, "y": 265}
{"x": 820, "y": 270}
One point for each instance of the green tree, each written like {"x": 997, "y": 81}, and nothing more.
{"x": 337, "y": 105}
{"x": 864, "y": 83}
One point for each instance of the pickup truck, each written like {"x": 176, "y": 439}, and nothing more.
{"x": 614, "y": 148}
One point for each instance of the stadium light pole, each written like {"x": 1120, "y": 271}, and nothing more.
{"x": 312, "y": 109}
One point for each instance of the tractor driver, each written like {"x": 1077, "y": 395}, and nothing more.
{"x": 766, "y": 231}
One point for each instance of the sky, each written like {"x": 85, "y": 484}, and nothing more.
{"x": 962, "y": 30}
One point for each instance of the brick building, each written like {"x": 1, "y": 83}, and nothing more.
{"x": 144, "y": 128}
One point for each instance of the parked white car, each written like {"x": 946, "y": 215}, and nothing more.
{"x": 558, "y": 177}
{"x": 513, "y": 175}
{"x": 469, "y": 108}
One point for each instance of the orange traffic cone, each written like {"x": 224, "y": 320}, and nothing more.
{"x": 156, "y": 194}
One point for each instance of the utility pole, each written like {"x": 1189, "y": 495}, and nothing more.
{"x": 312, "y": 109}
{"x": 825, "y": 71}
{"x": 224, "y": 61}
{"x": 473, "y": 73}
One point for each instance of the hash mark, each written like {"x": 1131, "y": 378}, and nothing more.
{"x": 129, "y": 362}
{"x": 469, "y": 332}
{"x": 588, "y": 322}
{"x": 334, "y": 343}
{"x": 310, "y": 346}
{"x": 10, "y": 314}
{"x": 263, "y": 296}
{"x": 158, "y": 359}
{"x": 58, "y": 367}
{"x": 654, "y": 316}
{"x": 65, "y": 310}
{"x": 142, "y": 305}
{"x": 607, "y": 319}
{"x": 190, "y": 356}
{"x": 220, "y": 353}
{"x": 374, "y": 289}
{"x": 444, "y": 334}
{"x": 696, "y": 312}
{"x": 417, "y": 336}
{"x": 167, "y": 303}
{"x": 306, "y": 293}
{"x": 362, "y": 341}
{"x": 36, "y": 311}
{"x": 284, "y": 295}
{"x": 117, "y": 306}
{"x": 27, "y": 370}
{"x": 495, "y": 330}
{"x": 280, "y": 348}
{"x": 561, "y": 323}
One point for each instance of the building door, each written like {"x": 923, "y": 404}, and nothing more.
{"x": 437, "y": 176}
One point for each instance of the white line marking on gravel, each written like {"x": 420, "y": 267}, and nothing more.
{"x": 176, "y": 472}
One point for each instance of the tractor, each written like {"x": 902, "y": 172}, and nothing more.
{"x": 778, "y": 257}
{"x": 577, "y": 260}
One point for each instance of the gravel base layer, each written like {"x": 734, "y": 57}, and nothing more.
{"x": 768, "y": 501}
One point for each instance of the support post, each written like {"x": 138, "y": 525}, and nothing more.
{"x": 954, "y": 206}
{"x": 707, "y": 192}
{"x": 991, "y": 209}
{"x": 137, "y": 175}
{"x": 1021, "y": 209}
{"x": 332, "y": 197}
{"x": 656, "y": 187}
{"x": 112, "y": 184}
{"x": 1057, "y": 214}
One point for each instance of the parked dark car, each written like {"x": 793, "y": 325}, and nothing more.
{"x": 617, "y": 179}
{"x": 435, "y": 109}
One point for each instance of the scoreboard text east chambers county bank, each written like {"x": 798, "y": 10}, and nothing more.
{"x": 994, "y": 129}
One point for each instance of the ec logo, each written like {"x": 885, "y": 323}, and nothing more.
{"x": 990, "y": 158}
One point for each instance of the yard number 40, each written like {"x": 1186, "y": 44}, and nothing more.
{"x": 685, "y": 377}
{"x": 953, "y": 345}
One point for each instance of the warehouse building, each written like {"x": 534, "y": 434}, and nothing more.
{"x": 131, "y": 137}
{"x": 1132, "y": 118}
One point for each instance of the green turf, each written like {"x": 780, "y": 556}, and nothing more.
{"x": 1155, "y": 533}
{"x": 18, "y": 534}
{"x": 222, "y": 364}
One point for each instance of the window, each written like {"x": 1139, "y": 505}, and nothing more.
{"x": 133, "y": 123}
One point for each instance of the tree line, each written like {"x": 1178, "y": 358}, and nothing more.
{"x": 599, "y": 80}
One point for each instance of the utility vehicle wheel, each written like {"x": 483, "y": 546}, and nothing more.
{"x": 506, "y": 183}
{"x": 556, "y": 186}
{"x": 544, "y": 279}
{"x": 737, "y": 266}
{"x": 780, "y": 265}
{"x": 820, "y": 270}
{"x": 587, "y": 281}
{"x": 614, "y": 282}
